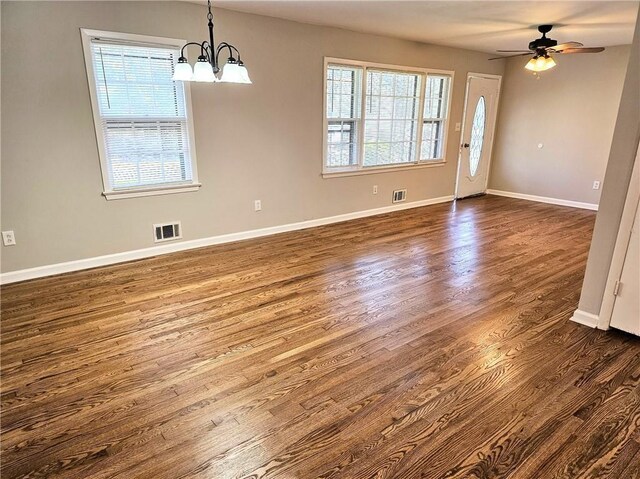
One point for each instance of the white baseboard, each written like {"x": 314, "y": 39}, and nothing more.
{"x": 545, "y": 199}
{"x": 77, "y": 265}
{"x": 587, "y": 319}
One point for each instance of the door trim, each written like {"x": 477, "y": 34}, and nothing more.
{"x": 488, "y": 76}
{"x": 631, "y": 203}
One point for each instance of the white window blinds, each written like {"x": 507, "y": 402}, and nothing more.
{"x": 435, "y": 117}
{"x": 142, "y": 113}
{"x": 391, "y": 117}
{"x": 343, "y": 114}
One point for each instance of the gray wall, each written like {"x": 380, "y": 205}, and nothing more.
{"x": 616, "y": 183}
{"x": 253, "y": 142}
{"x": 572, "y": 111}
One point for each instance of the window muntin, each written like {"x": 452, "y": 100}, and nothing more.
{"x": 390, "y": 129}
{"x": 141, "y": 114}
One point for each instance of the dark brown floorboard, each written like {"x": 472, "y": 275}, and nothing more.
{"x": 428, "y": 343}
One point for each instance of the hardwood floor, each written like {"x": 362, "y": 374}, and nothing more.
{"x": 428, "y": 343}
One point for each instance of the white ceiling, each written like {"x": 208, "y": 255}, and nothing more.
{"x": 476, "y": 25}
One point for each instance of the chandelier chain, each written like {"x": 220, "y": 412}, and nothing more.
{"x": 209, "y": 15}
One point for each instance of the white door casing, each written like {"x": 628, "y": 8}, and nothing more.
{"x": 481, "y": 104}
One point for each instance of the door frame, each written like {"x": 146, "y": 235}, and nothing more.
{"x": 487, "y": 76}
{"x": 622, "y": 243}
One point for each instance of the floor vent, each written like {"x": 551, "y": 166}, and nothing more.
{"x": 167, "y": 231}
{"x": 399, "y": 196}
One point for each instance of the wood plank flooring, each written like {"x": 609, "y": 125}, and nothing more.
{"x": 427, "y": 343}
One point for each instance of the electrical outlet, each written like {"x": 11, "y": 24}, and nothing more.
{"x": 375, "y": 189}
{"x": 596, "y": 185}
{"x": 8, "y": 238}
{"x": 257, "y": 205}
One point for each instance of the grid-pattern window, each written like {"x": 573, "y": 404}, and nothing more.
{"x": 435, "y": 117}
{"x": 142, "y": 115}
{"x": 344, "y": 99}
{"x": 391, "y": 117}
{"x": 378, "y": 116}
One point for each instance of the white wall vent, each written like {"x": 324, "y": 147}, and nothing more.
{"x": 399, "y": 196}
{"x": 167, "y": 231}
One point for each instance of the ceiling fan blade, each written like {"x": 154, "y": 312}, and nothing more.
{"x": 511, "y": 56}
{"x": 582, "y": 50}
{"x": 513, "y": 51}
{"x": 564, "y": 46}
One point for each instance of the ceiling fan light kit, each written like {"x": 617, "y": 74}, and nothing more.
{"x": 208, "y": 66}
{"x": 542, "y": 49}
{"x": 540, "y": 63}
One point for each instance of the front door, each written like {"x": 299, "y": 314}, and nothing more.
{"x": 477, "y": 135}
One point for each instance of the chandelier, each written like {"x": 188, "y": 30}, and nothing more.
{"x": 207, "y": 66}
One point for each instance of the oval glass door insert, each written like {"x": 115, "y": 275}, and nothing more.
{"x": 477, "y": 137}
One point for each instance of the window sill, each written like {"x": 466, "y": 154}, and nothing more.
{"x": 155, "y": 191}
{"x": 382, "y": 169}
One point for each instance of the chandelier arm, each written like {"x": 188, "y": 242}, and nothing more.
{"x": 236, "y": 50}
{"x": 187, "y": 44}
{"x": 230, "y": 47}
{"x": 206, "y": 50}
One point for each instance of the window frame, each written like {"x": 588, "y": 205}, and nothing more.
{"x": 359, "y": 168}
{"x": 137, "y": 191}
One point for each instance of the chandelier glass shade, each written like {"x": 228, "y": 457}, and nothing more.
{"x": 207, "y": 67}
{"x": 235, "y": 73}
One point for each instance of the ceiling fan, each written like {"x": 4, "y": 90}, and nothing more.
{"x": 543, "y": 48}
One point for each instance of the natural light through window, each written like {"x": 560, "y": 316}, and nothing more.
{"x": 383, "y": 117}
{"x": 142, "y": 117}
{"x": 391, "y": 118}
{"x": 343, "y": 115}
{"x": 435, "y": 117}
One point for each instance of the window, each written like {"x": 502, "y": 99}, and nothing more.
{"x": 380, "y": 116}
{"x": 435, "y": 117}
{"x": 392, "y": 112}
{"x": 344, "y": 100}
{"x": 142, "y": 117}
{"x": 477, "y": 137}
